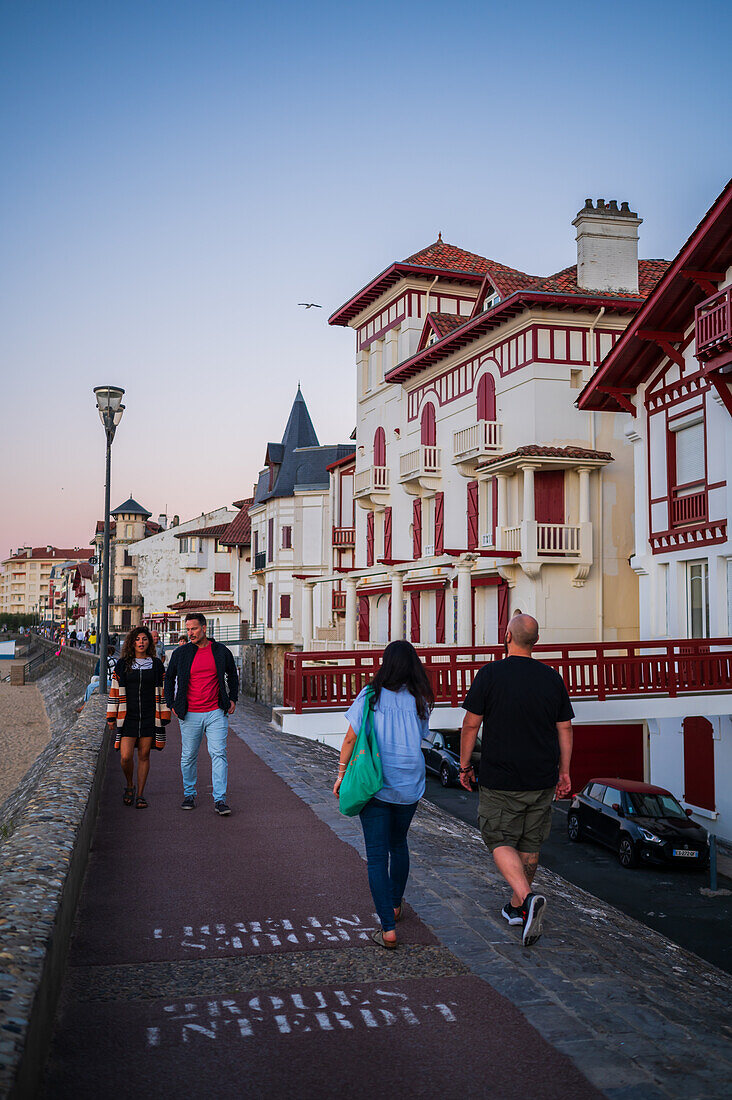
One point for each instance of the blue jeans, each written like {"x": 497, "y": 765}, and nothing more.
{"x": 215, "y": 725}
{"x": 385, "y": 826}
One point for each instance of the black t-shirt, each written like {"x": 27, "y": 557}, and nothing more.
{"x": 520, "y": 700}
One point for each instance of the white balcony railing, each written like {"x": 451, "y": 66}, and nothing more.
{"x": 483, "y": 438}
{"x": 557, "y": 538}
{"x": 428, "y": 550}
{"x": 374, "y": 479}
{"x": 425, "y": 461}
{"x": 511, "y": 538}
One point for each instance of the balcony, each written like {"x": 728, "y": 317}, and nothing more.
{"x": 421, "y": 469}
{"x": 193, "y": 559}
{"x": 339, "y": 601}
{"x": 538, "y": 544}
{"x": 714, "y": 330}
{"x": 125, "y": 601}
{"x": 688, "y": 507}
{"x": 260, "y": 561}
{"x": 478, "y": 441}
{"x": 345, "y": 536}
{"x": 371, "y": 486}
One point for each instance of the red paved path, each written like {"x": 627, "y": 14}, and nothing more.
{"x": 171, "y": 889}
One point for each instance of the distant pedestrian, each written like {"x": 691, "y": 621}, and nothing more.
{"x": 182, "y": 639}
{"x": 402, "y": 701}
{"x": 72, "y": 639}
{"x": 159, "y": 645}
{"x": 525, "y": 755}
{"x": 202, "y": 687}
{"x": 136, "y": 710}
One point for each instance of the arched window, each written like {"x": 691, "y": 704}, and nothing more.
{"x": 379, "y": 447}
{"x": 428, "y": 426}
{"x": 486, "y": 398}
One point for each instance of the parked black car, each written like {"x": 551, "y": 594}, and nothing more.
{"x": 638, "y": 821}
{"x": 441, "y": 750}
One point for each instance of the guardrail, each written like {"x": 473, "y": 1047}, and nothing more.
{"x": 327, "y": 679}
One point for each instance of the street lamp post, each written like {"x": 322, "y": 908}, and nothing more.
{"x": 109, "y": 404}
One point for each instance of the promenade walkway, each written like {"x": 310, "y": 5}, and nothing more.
{"x": 232, "y": 956}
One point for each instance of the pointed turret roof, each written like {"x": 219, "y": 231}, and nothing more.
{"x": 299, "y": 431}
{"x": 131, "y": 507}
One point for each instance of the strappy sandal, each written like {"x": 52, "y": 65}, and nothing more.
{"x": 378, "y": 937}
{"x": 129, "y": 796}
{"x": 141, "y": 803}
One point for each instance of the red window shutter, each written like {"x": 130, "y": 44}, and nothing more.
{"x": 414, "y": 604}
{"x": 255, "y": 595}
{"x": 699, "y": 763}
{"x": 270, "y": 540}
{"x": 363, "y": 619}
{"x": 549, "y": 496}
{"x": 502, "y": 595}
{"x": 428, "y": 427}
{"x": 287, "y": 538}
{"x": 285, "y": 607}
{"x": 269, "y": 605}
{"x": 222, "y": 582}
{"x": 439, "y": 522}
{"x": 487, "y": 398}
{"x": 472, "y": 515}
{"x": 379, "y": 447}
{"x": 440, "y": 616}
{"x": 369, "y": 538}
{"x": 387, "y": 533}
{"x": 417, "y": 528}
{"x": 256, "y": 543}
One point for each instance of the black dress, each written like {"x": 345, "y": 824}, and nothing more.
{"x": 140, "y": 684}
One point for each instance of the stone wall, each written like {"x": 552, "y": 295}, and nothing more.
{"x": 263, "y": 672}
{"x": 44, "y": 844}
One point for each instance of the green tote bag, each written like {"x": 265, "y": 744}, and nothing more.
{"x": 363, "y": 776}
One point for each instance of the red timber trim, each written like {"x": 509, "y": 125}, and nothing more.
{"x": 434, "y": 585}
{"x": 482, "y": 580}
{"x": 345, "y": 461}
{"x": 665, "y": 341}
{"x": 414, "y": 604}
{"x": 417, "y": 528}
{"x": 369, "y": 539}
{"x": 364, "y": 616}
{"x": 439, "y": 523}
{"x": 503, "y": 612}
{"x": 707, "y": 280}
{"x": 707, "y": 534}
{"x": 440, "y": 616}
{"x": 387, "y": 534}
{"x": 722, "y": 386}
{"x": 557, "y": 342}
{"x": 472, "y": 512}
{"x": 682, "y": 390}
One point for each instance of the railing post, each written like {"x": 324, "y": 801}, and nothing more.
{"x": 601, "y": 673}
{"x": 298, "y": 683}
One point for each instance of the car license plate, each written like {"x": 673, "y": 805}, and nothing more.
{"x": 685, "y": 853}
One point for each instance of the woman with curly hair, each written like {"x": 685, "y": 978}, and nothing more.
{"x": 136, "y": 710}
{"x": 401, "y": 698}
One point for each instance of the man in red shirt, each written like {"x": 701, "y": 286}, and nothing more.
{"x": 202, "y": 687}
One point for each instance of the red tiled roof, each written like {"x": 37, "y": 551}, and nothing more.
{"x": 239, "y": 531}
{"x": 443, "y": 323}
{"x": 533, "y": 450}
{"x": 56, "y": 553}
{"x": 213, "y": 532}
{"x": 86, "y": 570}
{"x": 451, "y": 258}
{"x": 565, "y": 282}
{"x": 204, "y": 605}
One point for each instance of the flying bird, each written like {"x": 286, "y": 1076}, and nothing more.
{"x": 310, "y": 305}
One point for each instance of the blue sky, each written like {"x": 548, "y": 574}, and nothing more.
{"x": 177, "y": 176}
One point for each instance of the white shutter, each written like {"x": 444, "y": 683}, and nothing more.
{"x": 690, "y": 454}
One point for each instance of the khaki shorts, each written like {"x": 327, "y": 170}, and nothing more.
{"x": 518, "y": 819}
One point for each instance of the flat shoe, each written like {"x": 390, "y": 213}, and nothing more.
{"x": 378, "y": 937}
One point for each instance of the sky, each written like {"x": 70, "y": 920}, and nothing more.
{"x": 177, "y": 176}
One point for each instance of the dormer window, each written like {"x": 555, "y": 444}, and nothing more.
{"x": 431, "y": 339}
{"x": 491, "y": 300}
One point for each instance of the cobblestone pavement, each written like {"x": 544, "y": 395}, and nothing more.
{"x": 24, "y": 732}
{"x": 640, "y": 1017}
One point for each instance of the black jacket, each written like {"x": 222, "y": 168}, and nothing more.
{"x": 178, "y": 674}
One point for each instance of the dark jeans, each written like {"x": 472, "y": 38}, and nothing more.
{"x": 385, "y": 827}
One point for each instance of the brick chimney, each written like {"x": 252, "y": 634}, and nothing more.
{"x": 607, "y": 247}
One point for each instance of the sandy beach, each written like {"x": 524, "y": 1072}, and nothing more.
{"x": 24, "y": 732}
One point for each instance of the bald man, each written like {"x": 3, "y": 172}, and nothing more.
{"x": 526, "y": 716}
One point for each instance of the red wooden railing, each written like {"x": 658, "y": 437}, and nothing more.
{"x": 344, "y": 536}
{"x": 688, "y": 507}
{"x": 339, "y": 601}
{"x": 321, "y": 680}
{"x": 714, "y": 323}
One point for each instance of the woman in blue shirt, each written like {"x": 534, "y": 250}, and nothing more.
{"x": 402, "y": 701}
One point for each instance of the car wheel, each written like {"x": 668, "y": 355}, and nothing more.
{"x": 626, "y": 852}
{"x": 445, "y": 777}
{"x": 574, "y": 829}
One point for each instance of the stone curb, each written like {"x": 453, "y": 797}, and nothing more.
{"x": 42, "y": 866}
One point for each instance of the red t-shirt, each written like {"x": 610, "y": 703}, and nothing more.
{"x": 203, "y": 686}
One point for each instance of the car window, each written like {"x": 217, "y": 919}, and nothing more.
{"x": 611, "y": 796}
{"x": 596, "y": 790}
{"x": 656, "y": 805}
{"x": 438, "y": 742}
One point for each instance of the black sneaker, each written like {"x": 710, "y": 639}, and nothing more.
{"x": 512, "y": 913}
{"x": 221, "y": 808}
{"x": 532, "y": 914}
{"x": 188, "y": 803}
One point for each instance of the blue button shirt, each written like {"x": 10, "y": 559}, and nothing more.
{"x": 399, "y": 732}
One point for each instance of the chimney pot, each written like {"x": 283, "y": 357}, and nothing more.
{"x": 607, "y": 247}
